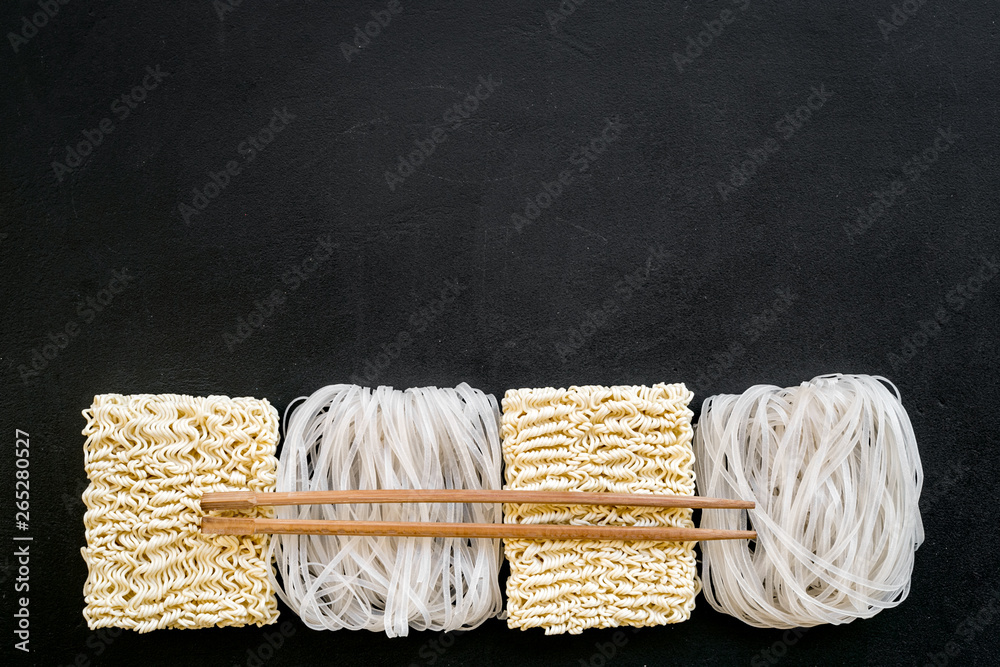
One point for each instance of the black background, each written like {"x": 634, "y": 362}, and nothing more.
{"x": 704, "y": 316}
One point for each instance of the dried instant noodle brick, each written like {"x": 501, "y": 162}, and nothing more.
{"x": 624, "y": 439}
{"x": 149, "y": 459}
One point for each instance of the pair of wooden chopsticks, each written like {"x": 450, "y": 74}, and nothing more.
{"x": 243, "y": 500}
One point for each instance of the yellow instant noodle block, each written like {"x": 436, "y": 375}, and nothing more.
{"x": 149, "y": 459}
{"x": 627, "y": 439}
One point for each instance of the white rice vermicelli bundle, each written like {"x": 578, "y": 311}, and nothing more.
{"x": 834, "y": 469}
{"x": 349, "y": 437}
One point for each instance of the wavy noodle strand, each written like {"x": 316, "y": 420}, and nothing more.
{"x": 149, "y": 459}
{"x": 599, "y": 439}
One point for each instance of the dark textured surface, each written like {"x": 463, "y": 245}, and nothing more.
{"x": 775, "y": 282}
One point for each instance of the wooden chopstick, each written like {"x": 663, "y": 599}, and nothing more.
{"x": 244, "y": 500}
{"x": 217, "y": 525}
